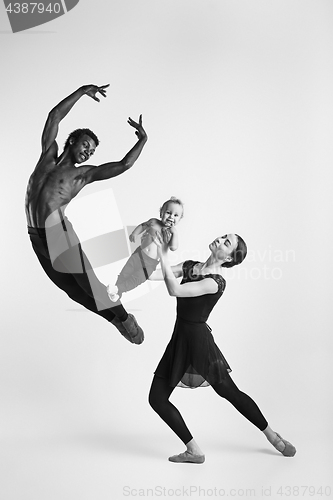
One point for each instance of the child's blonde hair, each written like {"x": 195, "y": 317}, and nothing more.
{"x": 173, "y": 199}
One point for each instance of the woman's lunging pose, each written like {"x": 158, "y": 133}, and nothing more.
{"x": 192, "y": 359}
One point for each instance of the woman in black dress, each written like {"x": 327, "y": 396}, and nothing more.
{"x": 192, "y": 359}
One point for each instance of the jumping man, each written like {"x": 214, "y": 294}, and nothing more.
{"x": 56, "y": 180}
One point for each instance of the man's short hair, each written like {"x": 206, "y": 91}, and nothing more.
{"x": 76, "y": 134}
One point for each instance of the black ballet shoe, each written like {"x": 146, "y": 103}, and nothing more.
{"x": 129, "y": 329}
{"x": 288, "y": 451}
{"x": 187, "y": 458}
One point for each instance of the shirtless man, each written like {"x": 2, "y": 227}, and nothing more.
{"x": 55, "y": 181}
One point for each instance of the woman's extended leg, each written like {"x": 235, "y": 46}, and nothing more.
{"x": 246, "y": 406}
{"x": 242, "y": 402}
{"x": 159, "y": 395}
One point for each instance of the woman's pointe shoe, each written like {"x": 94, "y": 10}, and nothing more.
{"x": 288, "y": 451}
{"x": 187, "y": 458}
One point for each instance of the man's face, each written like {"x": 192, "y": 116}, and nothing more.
{"x": 83, "y": 148}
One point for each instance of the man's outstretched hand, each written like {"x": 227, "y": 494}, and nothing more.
{"x": 140, "y": 131}
{"x": 92, "y": 90}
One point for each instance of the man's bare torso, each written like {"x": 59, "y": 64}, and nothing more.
{"x": 51, "y": 187}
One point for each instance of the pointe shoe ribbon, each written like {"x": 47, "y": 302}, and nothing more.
{"x": 187, "y": 458}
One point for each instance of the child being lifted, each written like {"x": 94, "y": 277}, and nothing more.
{"x": 144, "y": 260}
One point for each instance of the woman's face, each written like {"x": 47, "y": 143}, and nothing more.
{"x": 223, "y": 246}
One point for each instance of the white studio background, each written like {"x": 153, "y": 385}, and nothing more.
{"x": 236, "y": 98}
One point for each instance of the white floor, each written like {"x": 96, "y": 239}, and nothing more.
{"x": 101, "y": 464}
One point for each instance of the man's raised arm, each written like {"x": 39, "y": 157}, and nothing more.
{"x": 112, "y": 169}
{"x": 59, "y": 112}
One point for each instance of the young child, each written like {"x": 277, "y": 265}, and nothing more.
{"x": 144, "y": 259}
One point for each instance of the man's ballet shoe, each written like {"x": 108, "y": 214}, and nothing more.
{"x": 129, "y": 329}
{"x": 288, "y": 451}
{"x": 187, "y": 458}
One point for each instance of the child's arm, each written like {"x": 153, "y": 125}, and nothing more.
{"x": 140, "y": 228}
{"x": 173, "y": 243}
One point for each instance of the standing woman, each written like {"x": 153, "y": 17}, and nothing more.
{"x": 192, "y": 359}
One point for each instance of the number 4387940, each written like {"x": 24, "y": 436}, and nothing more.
{"x": 33, "y": 7}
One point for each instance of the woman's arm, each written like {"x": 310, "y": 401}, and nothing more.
{"x": 158, "y": 275}
{"x": 175, "y": 289}
{"x": 192, "y": 289}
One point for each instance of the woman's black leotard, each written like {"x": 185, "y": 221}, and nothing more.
{"x": 192, "y": 359}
